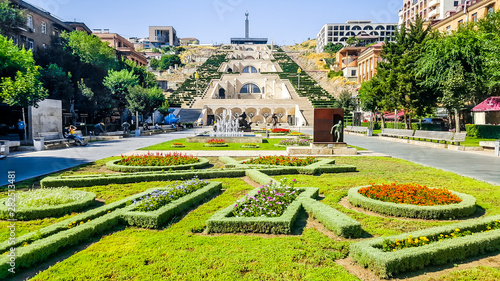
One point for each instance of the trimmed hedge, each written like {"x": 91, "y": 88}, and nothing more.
{"x": 223, "y": 222}
{"x": 105, "y": 179}
{"x": 451, "y": 211}
{"x": 216, "y": 145}
{"x": 33, "y": 213}
{"x": 483, "y": 131}
{"x": 123, "y": 168}
{"x": 250, "y": 146}
{"x": 157, "y": 218}
{"x": 336, "y": 221}
{"x": 369, "y": 253}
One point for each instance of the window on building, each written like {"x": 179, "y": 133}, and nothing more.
{"x": 474, "y": 17}
{"x": 347, "y": 27}
{"x": 341, "y": 27}
{"x": 460, "y": 22}
{"x": 455, "y": 3}
{"x": 353, "y": 72}
{"x": 335, "y": 28}
{"x": 29, "y": 21}
{"x": 44, "y": 27}
{"x": 448, "y": 29}
{"x": 250, "y": 89}
{"x": 31, "y": 44}
{"x": 490, "y": 9}
{"x": 250, "y": 69}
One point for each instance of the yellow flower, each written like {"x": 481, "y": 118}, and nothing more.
{"x": 74, "y": 222}
{"x": 394, "y": 250}
{"x": 410, "y": 236}
{"x": 25, "y": 244}
{"x": 457, "y": 230}
{"x": 81, "y": 222}
{"x": 88, "y": 220}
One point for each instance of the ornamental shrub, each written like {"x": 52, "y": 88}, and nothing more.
{"x": 157, "y": 159}
{"x": 282, "y": 161}
{"x": 45, "y": 197}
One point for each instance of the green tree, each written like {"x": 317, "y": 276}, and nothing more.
{"x": 163, "y": 108}
{"x": 397, "y": 81}
{"x": 119, "y": 82}
{"x": 454, "y": 66}
{"x": 58, "y": 83}
{"x": 146, "y": 78}
{"x": 346, "y": 101}
{"x": 489, "y": 27}
{"x": 144, "y": 100}
{"x": 90, "y": 49}
{"x": 10, "y": 18}
{"x": 352, "y": 41}
{"x": 19, "y": 84}
{"x": 332, "y": 48}
{"x": 154, "y": 63}
{"x": 167, "y": 61}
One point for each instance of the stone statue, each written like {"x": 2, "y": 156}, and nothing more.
{"x": 275, "y": 120}
{"x": 243, "y": 124}
{"x": 337, "y": 130}
{"x": 73, "y": 112}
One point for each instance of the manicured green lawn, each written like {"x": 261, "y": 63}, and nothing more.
{"x": 470, "y": 141}
{"x": 268, "y": 144}
{"x": 176, "y": 253}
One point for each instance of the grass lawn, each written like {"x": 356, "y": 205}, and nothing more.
{"x": 176, "y": 253}
{"x": 470, "y": 141}
{"x": 267, "y": 144}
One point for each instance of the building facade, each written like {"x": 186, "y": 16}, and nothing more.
{"x": 122, "y": 46}
{"x": 42, "y": 29}
{"x": 471, "y": 11}
{"x": 347, "y": 61}
{"x": 366, "y": 31}
{"x": 160, "y": 36}
{"x": 428, "y": 10}
{"x": 368, "y": 61}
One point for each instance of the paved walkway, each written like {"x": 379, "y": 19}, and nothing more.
{"x": 33, "y": 164}
{"x": 481, "y": 166}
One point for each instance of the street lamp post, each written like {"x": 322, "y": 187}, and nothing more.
{"x": 298, "y": 72}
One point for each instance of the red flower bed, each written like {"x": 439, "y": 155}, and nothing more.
{"x": 216, "y": 141}
{"x": 279, "y": 130}
{"x": 157, "y": 159}
{"x": 410, "y": 193}
{"x": 282, "y": 161}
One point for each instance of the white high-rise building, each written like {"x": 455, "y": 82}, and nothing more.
{"x": 429, "y": 10}
{"x": 364, "y": 30}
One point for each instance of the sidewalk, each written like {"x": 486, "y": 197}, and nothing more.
{"x": 474, "y": 164}
{"x": 33, "y": 164}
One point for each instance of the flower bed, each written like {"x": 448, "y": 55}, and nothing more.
{"x": 295, "y": 142}
{"x": 282, "y": 161}
{"x": 177, "y": 144}
{"x": 466, "y": 207}
{"x": 46, "y": 202}
{"x": 271, "y": 200}
{"x": 159, "y": 161}
{"x": 160, "y": 197}
{"x": 250, "y": 145}
{"x": 412, "y": 193}
{"x": 280, "y": 131}
{"x": 371, "y": 254}
{"x": 159, "y": 214}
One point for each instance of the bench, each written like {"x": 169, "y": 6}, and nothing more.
{"x": 433, "y": 135}
{"x": 399, "y": 133}
{"x": 57, "y": 139}
{"x": 458, "y": 138}
{"x": 5, "y": 146}
{"x": 357, "y": 129}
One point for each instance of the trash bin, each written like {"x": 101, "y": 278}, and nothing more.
{"x": 38, "y": 144}
{"x": 138, "y": 132}
{"x": 497, "y": 148}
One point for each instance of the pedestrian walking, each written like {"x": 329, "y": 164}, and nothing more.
{"x": 21, "y": 127}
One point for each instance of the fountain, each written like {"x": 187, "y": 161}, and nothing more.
{"x": 230, "y": 128}
{"x": 226, "y": 126}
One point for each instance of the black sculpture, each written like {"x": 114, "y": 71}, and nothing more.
{"x": 244, "y": 125}
{"x": 274, "y": 120}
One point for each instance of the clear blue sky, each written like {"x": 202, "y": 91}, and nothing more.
{"x": 216, "y": 21}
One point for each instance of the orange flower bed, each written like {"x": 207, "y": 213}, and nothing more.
{"x": 410, "y": 193}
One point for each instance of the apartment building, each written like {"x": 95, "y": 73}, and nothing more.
{"x": 428, "y": 10}
{"x": 42, "y": 29}
{"x": 368, "y": 61}
{"x": 122, "y": 46}
{"x": 468, "y": 11}
{"x": 366, "y": 31}
{"x": 163, "y": 36}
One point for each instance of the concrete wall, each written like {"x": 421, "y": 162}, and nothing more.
{"x": 46, "y": 118}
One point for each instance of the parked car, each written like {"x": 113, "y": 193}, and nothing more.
{"x": 433, "y": 121}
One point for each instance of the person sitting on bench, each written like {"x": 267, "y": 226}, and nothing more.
{"x": 98, "y": 129}
{"x": 69, "y": 133}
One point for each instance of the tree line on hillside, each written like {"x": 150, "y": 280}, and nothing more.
{"x": 424, "y": 69}
{"x": 82, "y": 71}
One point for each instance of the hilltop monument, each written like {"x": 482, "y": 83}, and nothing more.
{"x": 247, "y": 40}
